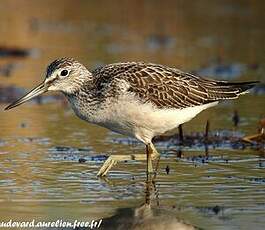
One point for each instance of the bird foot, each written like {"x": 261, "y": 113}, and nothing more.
{"x": 107, "y": 166}
{"x": 114, "y": 159}
{"x": 111, "y": 161}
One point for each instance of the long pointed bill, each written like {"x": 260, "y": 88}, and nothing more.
{"x": 42, "y": 88}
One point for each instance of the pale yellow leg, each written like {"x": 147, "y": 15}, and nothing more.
{"x": 154, "y": 153}
{"x": 114, "y": 159}
{"x": 149, "y": 165}
{"x": 155, "y": 156}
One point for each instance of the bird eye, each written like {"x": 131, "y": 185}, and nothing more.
{"x": 64, "y": 73}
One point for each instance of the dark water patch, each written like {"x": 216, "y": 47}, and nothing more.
{"x": 220, "y": 139}
{"x": 195, "y": 159}
{"x": 261, "y": 164}
{"x": 252, "y": 180}
{"x": 202, "y": 159}
{"x": 66, "y": 149}
{"x": 257, "y": 180}
{"x": 99, "y": 158}
{"x": 80, "y": 155}
{"x": 213, "y": 210}
{"x": 16, "y": 52}
{"x": 206, "y": 159}
{"x": 81, "y": 160}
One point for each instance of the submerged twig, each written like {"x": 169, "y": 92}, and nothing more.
{"x": 236, "y": 119}
{"x": 181, "y": 138}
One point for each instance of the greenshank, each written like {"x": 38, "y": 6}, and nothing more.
{"x": 137, "y": 99}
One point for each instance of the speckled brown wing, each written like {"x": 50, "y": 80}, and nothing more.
{"x": 168, "y": 87}
{"x": 107, "y": 78}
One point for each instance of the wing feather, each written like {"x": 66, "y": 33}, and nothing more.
{"x": 168, "y": 87}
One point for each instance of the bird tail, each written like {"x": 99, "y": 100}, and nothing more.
{"x": 229, "y": 90}
{"x": 242, "y": 87}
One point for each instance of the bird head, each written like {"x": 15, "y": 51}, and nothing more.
{"x": 64, "y": 74}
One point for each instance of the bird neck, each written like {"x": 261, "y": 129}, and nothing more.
{"x": 85, "y": 104}
{"x": 85, "y": 94}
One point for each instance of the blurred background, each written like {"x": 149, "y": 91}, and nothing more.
{"x": 176, "y": 33}
{"x": 41, "y": 145}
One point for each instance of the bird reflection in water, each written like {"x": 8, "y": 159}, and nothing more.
{"x": 148, "y": 215}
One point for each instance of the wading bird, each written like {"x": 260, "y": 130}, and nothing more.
{"x": 137, "y": 99}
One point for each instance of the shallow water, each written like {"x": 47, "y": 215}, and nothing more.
{"x": 41, "y": 145}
